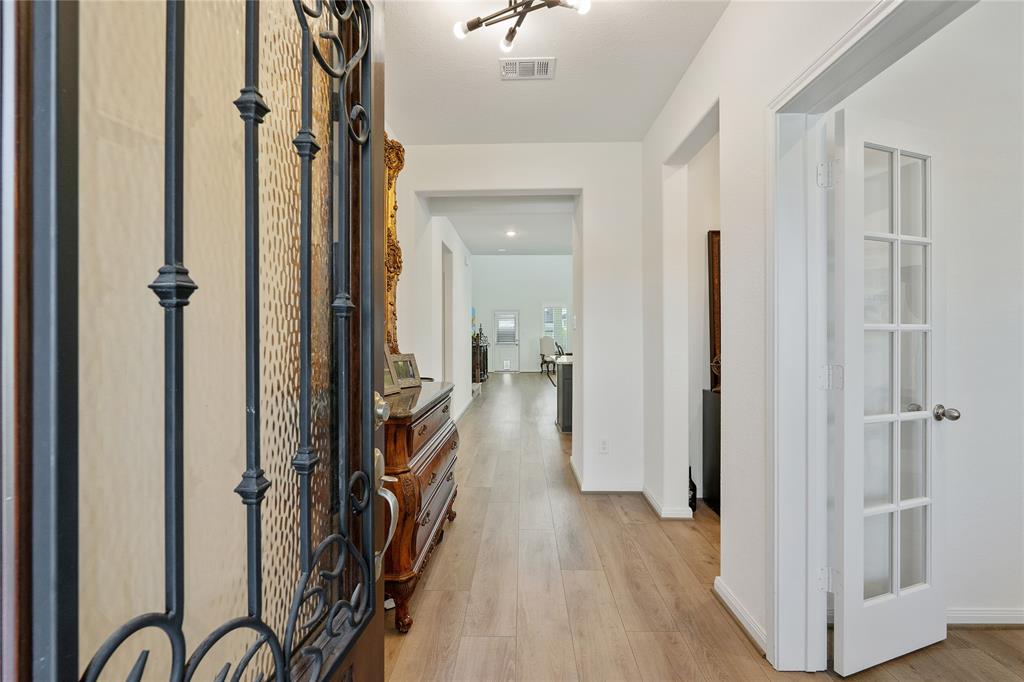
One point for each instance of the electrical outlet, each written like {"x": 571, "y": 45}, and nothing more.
{"x": 602, "y": 446}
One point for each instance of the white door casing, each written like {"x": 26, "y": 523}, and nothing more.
{"x": 889, "y": 485}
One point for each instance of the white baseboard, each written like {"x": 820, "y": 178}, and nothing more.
{"x": 740, "y": 613}
{"x": 992, "y": 616}
{"x": 960, "y": 616}
{"x": 575, "y": 473}
{"x": 666, "y": 512}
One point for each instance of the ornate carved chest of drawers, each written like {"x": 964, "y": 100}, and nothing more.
{"x": 422, "y": 443}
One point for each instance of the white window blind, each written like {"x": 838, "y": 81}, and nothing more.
{"x": 556, "y": 324}
{"x": 506, "y": 327}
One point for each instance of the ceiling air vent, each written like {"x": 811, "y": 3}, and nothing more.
{"x": 527, "y": 69}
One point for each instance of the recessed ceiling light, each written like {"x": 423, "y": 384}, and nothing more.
{"x": 510, "y": 233}
{"x": 502, "y": 250}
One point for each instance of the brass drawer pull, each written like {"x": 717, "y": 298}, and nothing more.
{"x": 450, "y": 476}
{"x": 423, "y": 429}
{"x": 433, "y": 477}
{"x": 455, "y": 443}
{"x": 426, "y": 519}
{"x": 446, "y": 408}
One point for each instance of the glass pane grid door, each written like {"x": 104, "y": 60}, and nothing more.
{"x": 897, "y": 365}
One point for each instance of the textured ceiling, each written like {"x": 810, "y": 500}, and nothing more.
{"x": 616, "y": 67}
{"x": 543, "y": 224}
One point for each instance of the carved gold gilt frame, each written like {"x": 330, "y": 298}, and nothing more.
{"x": 394, "y": 162}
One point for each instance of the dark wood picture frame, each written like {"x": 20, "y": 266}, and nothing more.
{"x": 715, "y": 307}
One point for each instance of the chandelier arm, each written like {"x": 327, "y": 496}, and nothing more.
{"x": 521, "y": 14}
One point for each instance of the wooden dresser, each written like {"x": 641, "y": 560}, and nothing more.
{"x": 422, "y": 443}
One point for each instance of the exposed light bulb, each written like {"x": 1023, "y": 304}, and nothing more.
{"x": 506, "y": 44}
{"x": 510, "y": 233}
{"x": 461, "y": 30}
{"x": 582, "y": 6}
{"x": 502, "y": 250}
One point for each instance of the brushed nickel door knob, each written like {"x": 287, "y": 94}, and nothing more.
{"x": 381, "y": 410}
{"x": 942, "y": 412}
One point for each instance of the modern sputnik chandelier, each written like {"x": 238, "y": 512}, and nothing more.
{"x": 516, "y": 11}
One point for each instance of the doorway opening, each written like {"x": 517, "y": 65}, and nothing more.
{"x": 690, "y": 342}
{"x": 898, "y": 209}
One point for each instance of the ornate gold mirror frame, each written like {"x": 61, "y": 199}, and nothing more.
{"x": 394, "y": 161}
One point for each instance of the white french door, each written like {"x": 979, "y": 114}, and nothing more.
{"x": 889, "y": 473}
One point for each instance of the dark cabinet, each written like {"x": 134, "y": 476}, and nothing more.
{"x": 712, "y": 448}
{"x": 479, "y": 369}
{"x": 563, "y": 386}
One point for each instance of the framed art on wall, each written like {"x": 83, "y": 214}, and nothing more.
{"x": 715, "y": 307}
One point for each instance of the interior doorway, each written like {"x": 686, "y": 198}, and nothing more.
{"x": 690, "y": 341}
{"x": 898, "y": 204}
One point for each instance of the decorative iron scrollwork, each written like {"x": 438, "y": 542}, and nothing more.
{"x": 330, "y": 605}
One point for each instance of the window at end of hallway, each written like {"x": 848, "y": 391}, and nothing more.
{"x": 556, "y": 324}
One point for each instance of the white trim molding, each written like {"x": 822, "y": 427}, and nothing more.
{"x": 666, "y": 512}
{"x": 576, "y": 473}
{"x": 985, "y": 616}
{"x": 756, "y": 633}
{"x": 797, "y": 533}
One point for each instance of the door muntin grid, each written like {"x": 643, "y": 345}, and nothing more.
{"x": 897, "y": 522}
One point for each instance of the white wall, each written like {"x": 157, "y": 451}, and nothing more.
{"x": 425, "y": 263}
{"x": 755, "y": 50}
{"x": 964, "y": 86}
{"x": 526, "y": 284}
{"x": 606, "y": 258}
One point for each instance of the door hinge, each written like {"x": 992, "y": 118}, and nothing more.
{"x": 828, "y": 579}
{"x": 830, "y": 378}
{"x": 826, "y": 174}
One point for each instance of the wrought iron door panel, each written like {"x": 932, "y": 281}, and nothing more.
{"x": 252, "y": 377}
{"x": 280, "y": 243}
{"x": 121, "y": 408}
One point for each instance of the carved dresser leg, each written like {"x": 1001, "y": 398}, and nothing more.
{"x": 402, "y": 593}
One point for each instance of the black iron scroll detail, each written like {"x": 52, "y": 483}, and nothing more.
{"x": 323, "y": 623}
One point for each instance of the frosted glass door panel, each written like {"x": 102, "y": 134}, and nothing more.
{"x": 878, "y": 267}
{"x": 877, "y": 372}
{"x": 877, "y": 555}
{"x": 877, "y": 464}
{"x": 912, "y": 459}
{"x": 913, "y": 196}
{"x": 913, "y": 283}
{"x": 913, "y": 546}
{"x": 913, "y": 364}
{"x": 878, "y": 213}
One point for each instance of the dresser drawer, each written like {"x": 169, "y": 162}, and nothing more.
{"x": 423, "y": 429}
{"x": 433, "y": 510}
{"x": 440, "y": 460}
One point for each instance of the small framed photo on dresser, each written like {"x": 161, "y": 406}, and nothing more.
{"x": 390, "y": 382}
{"x": 406, "y": 372}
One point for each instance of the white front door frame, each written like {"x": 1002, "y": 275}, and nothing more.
{"x": 798, "y": 575}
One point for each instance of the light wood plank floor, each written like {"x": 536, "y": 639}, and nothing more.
{"x": 537, "y": 582}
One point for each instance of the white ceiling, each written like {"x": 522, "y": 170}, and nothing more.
{"x": 617, "y": 65}
{"x": 543, "y": 224}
